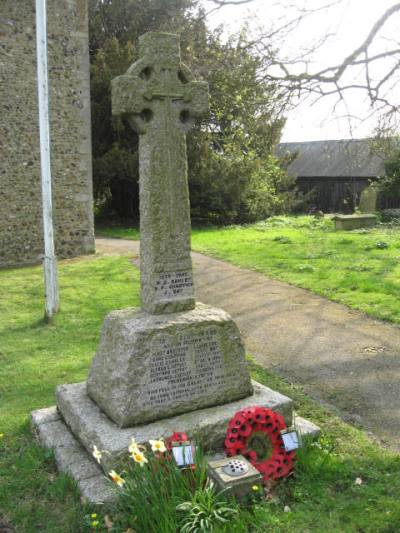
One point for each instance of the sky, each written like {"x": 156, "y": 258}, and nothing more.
{"x": 347, "y": 23}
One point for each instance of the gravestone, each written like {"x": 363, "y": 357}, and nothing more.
{"x": 368, "y": 200}
{"x": 365, "y": 218}
{"x": 174, "y": 364}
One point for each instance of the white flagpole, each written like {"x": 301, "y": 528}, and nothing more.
{"x": 49, "y": 261}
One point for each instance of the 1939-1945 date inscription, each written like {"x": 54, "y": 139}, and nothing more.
{"x": 174, "y": 284}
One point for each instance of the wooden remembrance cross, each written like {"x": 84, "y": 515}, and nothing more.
{"x": 161, "y": 101}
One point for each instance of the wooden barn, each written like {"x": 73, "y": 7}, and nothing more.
{"x": 335, "y": 172}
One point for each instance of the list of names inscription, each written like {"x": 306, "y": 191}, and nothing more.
{"x": 184, "y": 368}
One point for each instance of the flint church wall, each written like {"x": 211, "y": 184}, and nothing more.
{"x": 21, "y": 233}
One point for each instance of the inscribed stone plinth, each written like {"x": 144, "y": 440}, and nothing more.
{"x": 368, "y": 200}
{"x": 149, "y": 367}
{"x": 160, "y": 99}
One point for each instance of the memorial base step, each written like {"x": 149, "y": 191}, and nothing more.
{"x": 72, "y": 458}
{"x": 92, "y": 427}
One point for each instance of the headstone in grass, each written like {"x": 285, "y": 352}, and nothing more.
{"x": 365, "y": 218}
{"x": 368, "y": 199}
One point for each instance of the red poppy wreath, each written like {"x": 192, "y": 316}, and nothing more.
{"x": 255, "y": 433}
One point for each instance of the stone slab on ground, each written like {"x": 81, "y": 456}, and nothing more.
{"x": 71, "y": 457}
{"x": 150, "y": 367}
{"x": 350, "y": 222}
{"x": 93, "y": 427}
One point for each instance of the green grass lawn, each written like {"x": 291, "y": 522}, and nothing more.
{"x": 34, "y": 359}
{"x": 118, "y": 232}
{"x": 322, "y": 496}
{"x": 359, "y": 268}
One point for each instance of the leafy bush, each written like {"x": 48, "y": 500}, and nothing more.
{"x": 282, "y": 239}
{"x": 390, "y": 215}
{"x": 380, "y": 245}
{"x": 359, "y": 268}
{"x": 303, "y": 221}
{"x": 305, "y": 268}
{"x": 390, "y": 182}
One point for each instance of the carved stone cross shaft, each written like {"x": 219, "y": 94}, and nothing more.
{"x": 159, "y": 97}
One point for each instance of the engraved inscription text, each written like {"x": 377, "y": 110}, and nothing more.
{"x": 174, "y": 285}
{"x": 184, "y": 368}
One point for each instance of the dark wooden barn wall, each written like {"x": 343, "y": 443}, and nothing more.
{"x": 339, "y": 195}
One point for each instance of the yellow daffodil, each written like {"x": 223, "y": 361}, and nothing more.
{"x": 158, "y": 446}
{"x": 95, "y": 523}
{"x": 255, "y": 488}
{"x": 96, "y": 453}
{"x": 116, "y": 478}
{"x": 133, "y": 447}
{"x": 93, "y": 515}
{"x": 139, "y": 457}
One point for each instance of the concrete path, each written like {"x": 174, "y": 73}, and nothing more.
{"x": 339, "y": 355}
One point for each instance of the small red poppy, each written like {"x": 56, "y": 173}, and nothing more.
{"x": 177, "y": 436}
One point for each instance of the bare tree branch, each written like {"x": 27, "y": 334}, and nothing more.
{"x": 295, "y": 77}
{"x": 339, "y": 70}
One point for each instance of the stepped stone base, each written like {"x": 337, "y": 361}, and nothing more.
{"x": 92, "y": 427}
{"x": 72, "y": 458}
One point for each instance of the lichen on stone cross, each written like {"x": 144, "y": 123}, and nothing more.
{"x": 161, "y": 101}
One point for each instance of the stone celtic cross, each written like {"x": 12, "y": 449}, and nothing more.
{"x": 161, "y": 101}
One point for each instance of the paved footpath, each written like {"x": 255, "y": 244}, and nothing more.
{"x": 338, "y": 355}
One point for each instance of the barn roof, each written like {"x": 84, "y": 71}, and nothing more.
{"x": 331, "y": 159}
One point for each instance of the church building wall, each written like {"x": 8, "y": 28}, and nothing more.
{"x": 21, "y": 229}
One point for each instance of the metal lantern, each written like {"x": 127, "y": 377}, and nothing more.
{"x": 184, "y": 454}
